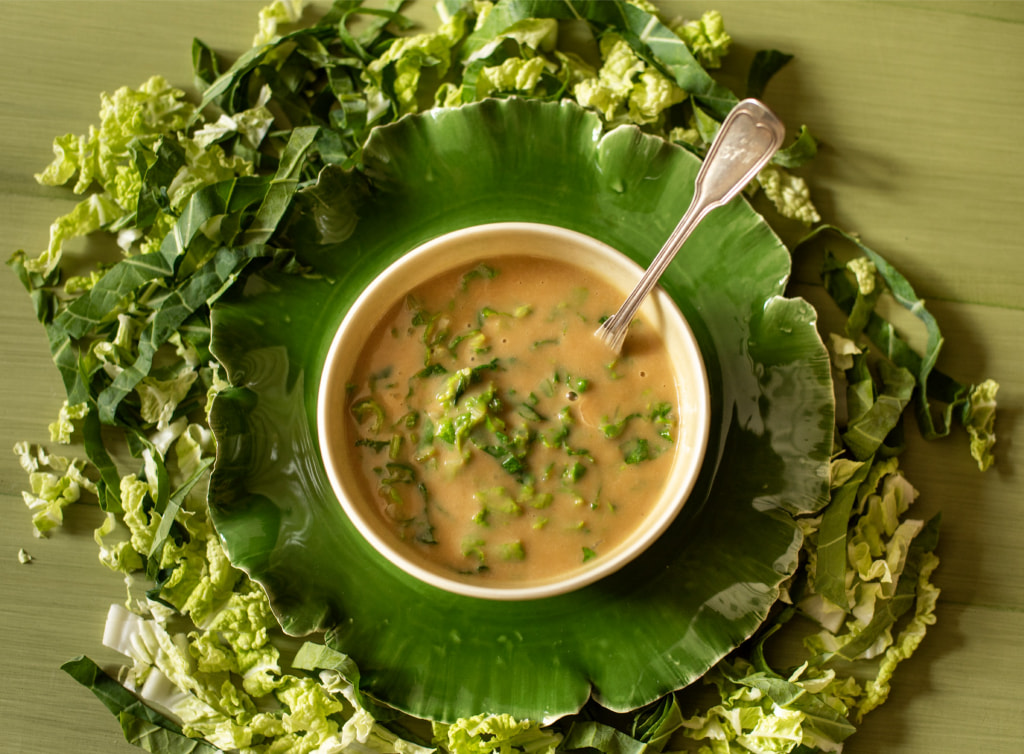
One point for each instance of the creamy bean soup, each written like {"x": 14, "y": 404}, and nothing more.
{"x": 497, "y": 435}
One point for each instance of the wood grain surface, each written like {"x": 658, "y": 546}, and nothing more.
{"x": 920, "y": 110}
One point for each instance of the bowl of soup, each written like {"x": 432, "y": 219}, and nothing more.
{"x": 480, "y": 437}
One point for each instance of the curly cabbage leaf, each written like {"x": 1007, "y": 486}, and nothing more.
{"x": 512, "y": 75}
{"x": 979, "y": 417}
{"x": 789, "y": 193}
{"x": 104, "y": 158}
{"x": 397, "y": 73}
{"x": 486, "y": 733}
{"x": 625, "y": 88}
{"x": 223, "y": 683}
{"x": 271, "y": 16}
{"x": 62, "y": 429}
{"x": 707, "y": 38}
{"x": 55, "y": 482}
{"x": 762, "y": 711}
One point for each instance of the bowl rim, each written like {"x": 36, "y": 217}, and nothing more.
{"x": 415, "y": 266}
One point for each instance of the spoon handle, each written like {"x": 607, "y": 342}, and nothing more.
{"x": 747, "y": 139}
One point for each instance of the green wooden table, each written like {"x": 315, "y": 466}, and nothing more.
{"x": 919, "y": 108}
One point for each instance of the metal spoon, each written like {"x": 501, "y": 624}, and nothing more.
{"x": 749, "y": 136}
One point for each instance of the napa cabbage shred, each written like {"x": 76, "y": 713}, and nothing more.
{"x": 193, "y": 193}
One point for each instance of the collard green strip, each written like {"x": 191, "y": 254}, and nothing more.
{"x": 152, "y": 737}
{"x": 803, "y": 149}
{"x": 205, "y": 65}
{"x": 142, "y": 725}
{"x": 860, "y": 388}
{"x": 373, "y": 28}
{"x": 883, "y": 335}
{"x": 866, "y": 434}
{"x": 38, "y": 287}
{"x": 109, "y": 485}
{"x": 173, "y": 505}
{"x": 157, "y": 169}
{"x": 830, "y": 569}
{"x": 155, "y": 469}
{"x": 763, "y": 67}
{"x": 282, "y": 188}
{"x": 198, "y": 291}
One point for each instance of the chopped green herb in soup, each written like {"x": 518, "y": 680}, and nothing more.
{"x": 498, "y": 436}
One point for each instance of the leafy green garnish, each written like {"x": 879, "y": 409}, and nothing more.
{"x": 480, "y": 272}
{"x": 574, "y": 472}
{"x": 636, "y": 451}
{"x": 367, "y": 409}
{"x": 612, "y": 429}
{"x": 513, "y": 551}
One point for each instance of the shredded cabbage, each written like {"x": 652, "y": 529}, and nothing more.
{"x": 789, "y": 194}
{"x": 625, "y": 88}
{"x": 55, "y": 482}
{"x": 483, "y": 734}
{"x": 129, "y": 118}
{"x": 707, "y": 38}
{"x": 271, "y": 16}
{"x": 980, "y": 418}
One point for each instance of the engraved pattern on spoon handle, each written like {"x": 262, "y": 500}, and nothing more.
{"x": 747, "y": 139}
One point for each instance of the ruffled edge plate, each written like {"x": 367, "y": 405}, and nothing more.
{"x": 627, "y": 640}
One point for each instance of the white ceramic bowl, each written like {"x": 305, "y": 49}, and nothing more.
{"x": 491, "y": 242}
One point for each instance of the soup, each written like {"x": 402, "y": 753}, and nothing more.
{"x": 497, "y": 436}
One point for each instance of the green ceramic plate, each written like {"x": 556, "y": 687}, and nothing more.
{"x": 627, "y": 640}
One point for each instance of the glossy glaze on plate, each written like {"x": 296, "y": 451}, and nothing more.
{"x": 659, "y": 623}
